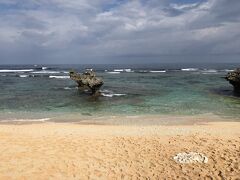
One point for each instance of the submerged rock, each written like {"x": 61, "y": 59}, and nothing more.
{"x": 88, "y": 80}
{"x": 191, "y": 157}
{"x": 234, "y": 79}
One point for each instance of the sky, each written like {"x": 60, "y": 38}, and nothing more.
{"x": 119, "y": 31}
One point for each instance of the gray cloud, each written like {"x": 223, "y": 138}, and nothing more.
{"x": 100, "y": 31}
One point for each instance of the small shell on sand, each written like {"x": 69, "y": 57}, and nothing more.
{"x": 191, "y": 157}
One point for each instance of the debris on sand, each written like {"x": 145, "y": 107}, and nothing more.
{"x": 191, "y": 157}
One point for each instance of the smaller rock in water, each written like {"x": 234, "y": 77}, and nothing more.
{"x": 191, "y": 157}
{"x": 234, "y": 79}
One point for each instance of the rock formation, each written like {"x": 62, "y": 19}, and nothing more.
{"x": 88, "y": 80}
{"x": 234, "y": 79}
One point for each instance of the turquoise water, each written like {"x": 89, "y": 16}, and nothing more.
{"x": 161, "y": 89}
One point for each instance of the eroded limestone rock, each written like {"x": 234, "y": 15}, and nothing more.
{"x": 234, "y": 79}
{"x": 88, "y": 80}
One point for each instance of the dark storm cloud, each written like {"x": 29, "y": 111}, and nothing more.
{"x": 101, "y": 31}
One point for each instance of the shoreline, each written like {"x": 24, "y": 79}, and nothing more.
{"x": 77, "y": 151}
{"x": 127, "y": 120}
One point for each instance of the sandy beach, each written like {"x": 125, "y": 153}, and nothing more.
{"x": 77, "y": 151}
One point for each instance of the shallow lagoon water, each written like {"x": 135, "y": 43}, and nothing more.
{"x": 162, "y": 89}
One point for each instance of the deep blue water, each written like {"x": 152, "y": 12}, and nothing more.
{"x": 29, "y": 91}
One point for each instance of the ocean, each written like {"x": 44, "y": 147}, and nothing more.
{"x": 45, "y": 92}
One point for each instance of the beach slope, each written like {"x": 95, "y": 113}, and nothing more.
{"x": 73, "y": 151}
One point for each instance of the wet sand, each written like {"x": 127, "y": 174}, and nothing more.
{"x": 77, "y": 151}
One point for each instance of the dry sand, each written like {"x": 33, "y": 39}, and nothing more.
{"x": 73, "y": 151}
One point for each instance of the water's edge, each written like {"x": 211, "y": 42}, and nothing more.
{"x": 127, "y": 120}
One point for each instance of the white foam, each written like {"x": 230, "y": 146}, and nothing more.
{"x": 209, "y": 71}
{"x": 15, "y": 70}
{"x": 46, "y": 72}
{"x": 119, "y": 94}
{"x": 113, "y": 72}
{"x": 118, "y": 70}
{"x": 23, "y": 76}
{"x": 189, "y": 69}
{"x": 228, "y": 70}
{"x": 108, "y": 93}
{"x": 143, "y": 71}
{"x": 60, "y": 77}
{"x": 111, "y": 95}
{"x": 122, "y": 70}
{"x": 157, "y": 71}
{"x": 27, "y": 120}
{"x": 44, "y": 68}
{"x": 128, "y": 70}
{"x": 69, "y": 88}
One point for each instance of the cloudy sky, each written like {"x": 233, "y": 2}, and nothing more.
{"x": 119, "y": 31}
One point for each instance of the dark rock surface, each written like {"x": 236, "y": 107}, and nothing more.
{"x": 234, "y": 79}
{"x": 87, "y": 80}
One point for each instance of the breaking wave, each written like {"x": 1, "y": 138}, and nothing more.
{"x": 107, "y": 93}
{"x": 113, "y": 72}
{"x": 69, "y": 88}
{"x": 189, "y": 69}
{"x": 228, "y": 70}
{"x": 26, "y": 120}
{"x": 209, "y": 71}
{"x": 143, "y": 71}
{"x": 46, "y": 72}
{"x": 162, "y": 71}
{"x": 60, "y": 77}
{"x": 129, "y": 70}
{"x": 123, "y": 70}
{"x": 15, "y": 70}
{"x": 118, "y": 70}
{"x": 111, "y": 95}
{"x": 23, "y": 76}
